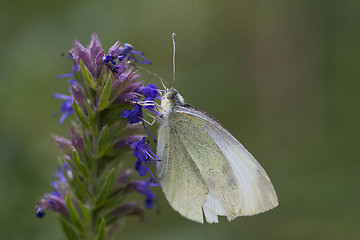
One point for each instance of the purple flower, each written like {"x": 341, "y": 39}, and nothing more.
{"x": 129, "y": 209}
{"x": 114, "y": 49}
{"x": 124, "y": 86}
{"x": 39, "y": 211}
{"x": 142, "y": 170}
{"x": 76, "y": 139}
{"x": 127, "y": 50}
{"x": 116, "y": 59}
{"x": 63, "y": 144}
{"x": 144, "y": 156}
{"x": 55, "y": 200}
{"x": 125, "y": 176}
{"x": 126, "y": 142}
{"x": 65, "y": 75}
{"x": 59, "y": 174}
{"x": 117, "y": 54}
{"x": 143, "y": 187}
{"x": 91, "y": 56}
{"x": 77, "y": 91}
{"x": 150, "y": 92}
{"x": 135, "y": 115}
{"x": 110, "y": 61}
{"x": 67, "y": 106}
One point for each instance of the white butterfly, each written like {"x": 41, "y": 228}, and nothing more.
{"x": 203, "y": 168}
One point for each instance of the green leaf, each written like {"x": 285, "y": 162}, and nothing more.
{"x": 90, "y": 114}
{"x": 68, "y": 230}
{"x": 80, "y": 186}
{"x": 105, "y": 95}
{"x": 78, "y": 77}
{"x": 105, "y": 189}
{"x": 102, "y": 231}
{"x": 88, "y": 76}
{"x": 78, "y": 192}
{"x": 112, "y": 115}
{"x": 80, "y": 165}
{"x": 103, "y": 141}
{"x": 105, "y": 74}
{"x": 80, "y": 115}
{"x": 73, "y": 213}
{"x": 81, "y": 81}
{"x": 85, "y": 214}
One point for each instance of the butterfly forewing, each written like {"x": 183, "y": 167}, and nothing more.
{"x": 205, "y": 169}
{"x": 180, "y": 179}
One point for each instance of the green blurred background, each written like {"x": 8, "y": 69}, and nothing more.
{"x": 283, "y": 76}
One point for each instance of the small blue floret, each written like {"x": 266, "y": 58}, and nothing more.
{"x": 150, "y": 92}
{"x": 128, "y": 50}
{"x": 144, "y": 156}
{"x": 66, "y": 107}
{"x": 39, "y": 212}
{"x": 143, "y": 187}
{"x": 135, "y": 115}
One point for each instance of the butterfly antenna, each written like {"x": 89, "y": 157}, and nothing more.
{"x": 173, "y": 60}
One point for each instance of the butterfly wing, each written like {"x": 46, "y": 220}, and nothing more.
{"x": 199, "y": 153}
{"x": 178, "y": 174}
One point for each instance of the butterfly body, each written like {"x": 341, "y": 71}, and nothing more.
{"x": 204, "y": 169}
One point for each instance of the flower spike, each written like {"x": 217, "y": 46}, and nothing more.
{"x": 91, "y": 182}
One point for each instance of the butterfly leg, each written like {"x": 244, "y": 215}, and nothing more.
{"x": 150, "y": 123}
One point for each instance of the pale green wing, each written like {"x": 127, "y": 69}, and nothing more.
{"x": 178, "y": 174}
{"x": 194, "y": 173}
{"x": 254, "y": 191}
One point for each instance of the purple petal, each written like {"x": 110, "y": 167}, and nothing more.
{"x": 95, "y": 46}
{"x": 82, "y": 54}
{"x": 140, "y": 54}
{"x": 126, "y": 143}
{"x": 78, "y": 93}
{"x": 63, "y": 144}
{"x": 124, "y": 97}
{"x": 76, "y": 139}
{"x": 129, "y": 209}
{"x": 114, "y": 48}
{"x": 125, "y": 113}
{"x": 124, "y": 177}
{"x": 98, "y": 63}
{"x": 65, "y": 75}
{"x": 76, "y": 67}
{"x": 140, "y": 168}
{"x": 63, "y": 117}
{"x": 61, "y": 96}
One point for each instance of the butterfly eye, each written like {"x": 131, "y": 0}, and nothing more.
{"x": 169, "y": 95}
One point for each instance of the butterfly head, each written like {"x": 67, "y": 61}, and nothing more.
{"x": 170, "y": 99}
